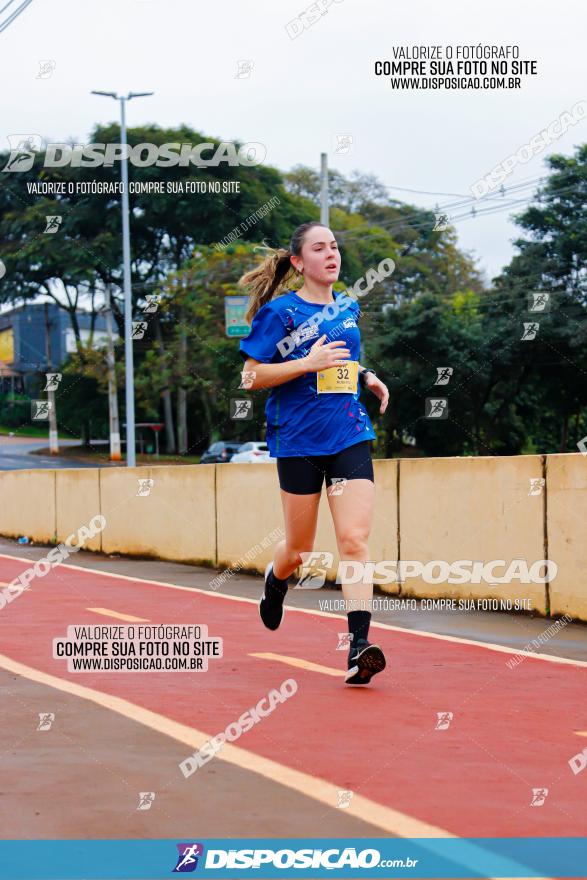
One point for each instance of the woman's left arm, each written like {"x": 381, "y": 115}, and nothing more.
{"x": 378, "y": 388}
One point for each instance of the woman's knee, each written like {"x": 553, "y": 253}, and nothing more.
{"x": 296, "y": 551}
{"x": 353, "y": 543}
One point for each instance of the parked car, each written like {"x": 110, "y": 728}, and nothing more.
{"x": 252, "y": 452}
{"x": 220, "y": 452}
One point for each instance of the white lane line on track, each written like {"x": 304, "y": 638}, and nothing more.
{"x": 301, "y": 664}
{"x": 118, "y": 615}
{"x": 389, "y": 820}
{"x": 490, "y": 646}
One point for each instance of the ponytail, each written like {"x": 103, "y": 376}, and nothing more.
{"x": 266, "y": 279}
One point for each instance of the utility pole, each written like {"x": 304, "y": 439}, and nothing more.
{"x": 115, "y": 454}
{"x": 128, "y": 352}
{"x": 182, "y": 428}
{"x": 324, "y": 189}
{"x": 53, "y": 436}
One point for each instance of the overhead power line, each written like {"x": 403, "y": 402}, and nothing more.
{"x": 12, "y": 15}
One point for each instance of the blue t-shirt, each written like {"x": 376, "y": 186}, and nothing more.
{"x": 300, "y": 421}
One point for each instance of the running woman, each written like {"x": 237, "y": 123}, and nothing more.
{"x": 316, "y": 426}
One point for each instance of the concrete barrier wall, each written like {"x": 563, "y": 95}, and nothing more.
{"x": 472, "y": 509}
{"x": 249, "y": 512}
{"x": 27, "y": 504}
{"x": 77, "y": 497}
{"x": 566, "y": 500}
{"x": 230, "y": 516}
{"x": 172, "y": 517}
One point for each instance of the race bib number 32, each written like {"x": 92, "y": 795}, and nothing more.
{"x": 338, "y": 380}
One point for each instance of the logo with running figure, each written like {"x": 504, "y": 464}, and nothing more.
{"x": 444, "y": 374}
{"x": 247, "y": 378}
{"x": 343, "y": 798}
{"x": 40, "y": 409}
{"x": 444, "y": 719}
{"x": 539, "y": 795}
{"x": 146, "y": 799}
{"x": 53, "y": 223}
{"x": 315, "y": 565}
{"x": 187, "y": 860}
{"x": 539, "y": 301}
{"x": 530, "y": 330}
{"x": 46, "y": 719}
{"x": 337, "y": 485}
{"x": 23, "y": 148}
{"x": 436, "y": 408}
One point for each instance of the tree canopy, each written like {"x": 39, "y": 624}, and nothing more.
{"x": 518, "y": 374}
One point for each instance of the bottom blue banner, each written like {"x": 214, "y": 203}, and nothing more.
{"x": 294, "y": 857}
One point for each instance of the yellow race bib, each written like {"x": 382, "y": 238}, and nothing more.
{"x": 338, "y": 380}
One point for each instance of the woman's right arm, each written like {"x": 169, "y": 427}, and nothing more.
{"x": 321, "y": 357}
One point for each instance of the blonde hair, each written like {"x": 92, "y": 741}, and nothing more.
{"x": 274, "y": 273}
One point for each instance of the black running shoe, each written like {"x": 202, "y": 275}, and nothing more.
{"x": 365, "y": 661}
{"x": 271, "y": 604}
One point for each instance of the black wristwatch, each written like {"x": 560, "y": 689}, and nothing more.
{"x": 362, "y": 375}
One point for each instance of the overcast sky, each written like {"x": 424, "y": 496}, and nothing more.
{"x": 304, "y": 92}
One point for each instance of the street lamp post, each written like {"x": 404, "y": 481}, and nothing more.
{"x": 128, "y": 352}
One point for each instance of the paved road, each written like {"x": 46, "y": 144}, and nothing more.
{"x": 513, "y": 728}
{"x": 15, "y": 454}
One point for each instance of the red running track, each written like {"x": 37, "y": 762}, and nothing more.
{"x": 512, "y": 730}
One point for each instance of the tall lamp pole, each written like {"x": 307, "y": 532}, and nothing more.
{"x": 128, "y": 353}
{"x": 324, "y": 218}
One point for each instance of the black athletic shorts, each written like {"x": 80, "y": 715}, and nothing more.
{"x": 304, "y": 474}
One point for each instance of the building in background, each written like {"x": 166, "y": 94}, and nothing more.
{"x": 26, "y": 334}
